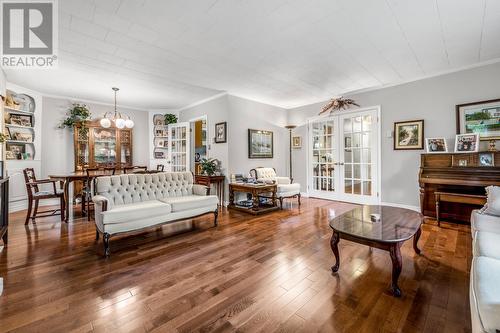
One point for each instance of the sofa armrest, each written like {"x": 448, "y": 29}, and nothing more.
{"x": 101, "y": 204}
{"x": 200, "y": 189}
{"x": 283, "y": 180}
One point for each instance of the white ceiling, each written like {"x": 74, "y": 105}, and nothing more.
{"x": 168, "y": 54}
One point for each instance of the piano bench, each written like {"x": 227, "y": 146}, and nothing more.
{"x": 470, "y": 199}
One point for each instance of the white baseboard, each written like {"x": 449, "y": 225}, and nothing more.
{"x": 392, "y": 204}
{"x": 15, "y": 206}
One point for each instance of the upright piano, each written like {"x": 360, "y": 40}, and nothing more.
{"x": 455, "y": 173}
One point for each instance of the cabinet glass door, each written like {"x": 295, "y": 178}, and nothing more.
{"x": 104, "y": 146}
{"x": 179, "y": 146}
{"x": 125, "y": 147}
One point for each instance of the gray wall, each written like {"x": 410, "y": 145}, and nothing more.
{"x": 432, "y": 99}
{"x": 58, "y": 151}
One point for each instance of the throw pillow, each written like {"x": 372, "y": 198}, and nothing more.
{"x": 493, "y": 201}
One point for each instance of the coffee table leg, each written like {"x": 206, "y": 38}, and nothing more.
{"x": 416, "y": 237}
{"x": 397, "y": 265}
{"x": 334, "y": 242}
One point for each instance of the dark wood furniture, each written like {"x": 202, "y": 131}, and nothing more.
{"x": 255, "y": 191}
{"x": 460, "y": 198}
{"x": 135, "y": 168}
{"x": 218, "y": 182}
{"x": 396, "y": 225}
{"x": 457, "y": 173}
{"x": 35, "y": 195}
{"x": 78, "y": 176}
{"x": 4, "y": 210}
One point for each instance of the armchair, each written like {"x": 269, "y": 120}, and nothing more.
{"x": 286, "y": 189}
{"x": 35, "y": 195}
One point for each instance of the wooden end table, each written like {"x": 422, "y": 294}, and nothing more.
{"x": 218, "y": 182}
{"x": 396, "y": 226}
{"x": 255, "y": 190}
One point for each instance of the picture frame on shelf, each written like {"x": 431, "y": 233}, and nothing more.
{"x": 159, "y": 154}
{"x": 221, "y": 132}
{"x": 467, "y": 143}
{"x": 7, "y": 133}
{"x": 260, "y": 144}
{"x": 436, "y": 145}
{"x": 486, "y": 159}
{"x": 25, "y": 137}
{"x": 409, "y": 135}
{"x": 15, "y": 119}
{"x": 296, "y": 142}
{"x": 481, "y": 117}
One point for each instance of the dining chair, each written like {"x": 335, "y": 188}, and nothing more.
{"x": 35, "y": 195}
{"x": 110, "y": 171}
{"x": 134, "y": 168}
{"x": 88, "y": 190}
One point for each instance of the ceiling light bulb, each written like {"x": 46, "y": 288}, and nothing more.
{"x": 105, "y": 122}
{"x": 129, "y": 123}
{"x": 120, "y": 123}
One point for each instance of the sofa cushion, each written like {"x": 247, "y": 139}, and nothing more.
{"x": 135, "y": 211}
{"x": 484, "y": 222}
{"x": 485, "y": 292}
{"x": 493, "y": 201}
{"x": 487, "y": 244}
{"x": 288, "y": 189}
{"x": 265, "y": 173}
{"x": 191, "y": 202}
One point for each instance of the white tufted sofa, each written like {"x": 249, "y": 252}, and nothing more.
{"x": 131, "y": 202}
{"x": 485, "y": 269}
{"x": 286, "y": 189}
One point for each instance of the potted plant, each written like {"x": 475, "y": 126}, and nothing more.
{"x": 209, "y": 166}
{"x": 77, "y": 113}
{"x": 170, "y": 118}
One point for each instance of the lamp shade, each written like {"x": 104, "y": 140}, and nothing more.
{"x": 120, "y": 123}
{"x": 105, "y": 122}
{"x": 129, "y": 123}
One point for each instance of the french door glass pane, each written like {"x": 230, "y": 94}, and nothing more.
{"x": 323, "y": 155}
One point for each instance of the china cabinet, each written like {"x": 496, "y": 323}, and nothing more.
{"x": 96, "y": 146}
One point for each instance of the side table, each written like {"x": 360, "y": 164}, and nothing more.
{"x": 218, "y": 182}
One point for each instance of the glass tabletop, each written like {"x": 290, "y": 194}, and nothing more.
{"x": 395, "y": 224}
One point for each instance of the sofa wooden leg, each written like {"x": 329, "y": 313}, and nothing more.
{"x": 298, "y": 197}
{"x": 216, "y": 215}
{"x": 105, "y": 238}
{"x": 281, "y": 202}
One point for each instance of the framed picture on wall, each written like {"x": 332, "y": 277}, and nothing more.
{"x": 296, "y": 142}
{"x": 482, "y": 118}
{"x": 436, "y": 145}
{"x": 221, "y": 132}
{"x": 467, "y": 143}
{"x": 260, "y": 144}
{"x": 409, "y": 135}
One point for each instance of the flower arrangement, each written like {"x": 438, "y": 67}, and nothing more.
{"x": 77, "y": 113}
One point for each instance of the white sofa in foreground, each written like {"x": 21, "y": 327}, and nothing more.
{"x": 485, "y": 270}
{"x": 132, "y": 202}
{"x": 286, "y": 189}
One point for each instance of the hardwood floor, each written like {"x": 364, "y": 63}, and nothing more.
{"x": 269, "y": 273}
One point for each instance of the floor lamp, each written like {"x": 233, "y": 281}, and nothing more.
{"x": 290, "y": 128}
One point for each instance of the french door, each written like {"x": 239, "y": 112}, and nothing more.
{"x": 343, "y": 157}
{"x": 179, "y": 146}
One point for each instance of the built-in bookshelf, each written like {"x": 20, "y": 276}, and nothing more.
{"x": 160, "y": 137}
{"x": 19, "y": 126}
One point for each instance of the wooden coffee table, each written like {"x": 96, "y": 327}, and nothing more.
{"x": 256, "y": 190}
{"x": 396, "y": 226}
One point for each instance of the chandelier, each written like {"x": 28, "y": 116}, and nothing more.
{"x": 119, "y": 119}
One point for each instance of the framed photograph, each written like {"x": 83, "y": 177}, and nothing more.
{"x": 260, "y": 144}
{"x": 15, "y": 119}
{"x": 26, "y": 121}
{"x": 486, "y": 159}
{"x": 296, "y": 142}
{"x": 159, "y": 154}
{"x": 482, "y": 118}
{"x": 221, "y": 132}
{"x": 7, "y": 133}
{"x": 466, "y": 143}
{"x": 436, "y": 145}
{"x": 409, "y": 135}
{"x": 26, "y": 137}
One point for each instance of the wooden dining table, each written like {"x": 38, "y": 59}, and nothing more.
{"x": 68, "y": 178}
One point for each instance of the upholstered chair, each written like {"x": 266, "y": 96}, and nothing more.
{"x": 286, "y": 189}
